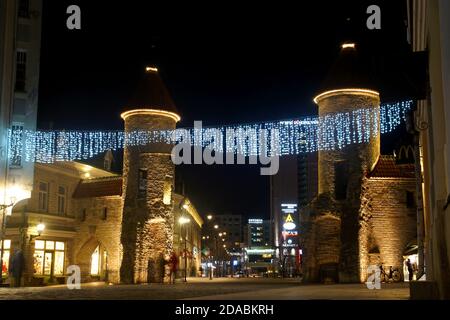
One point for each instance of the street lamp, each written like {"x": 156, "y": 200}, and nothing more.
{"x": 209, "y": 217}
{"x": 39, "y": 228}
{"x": 183, "y": 221}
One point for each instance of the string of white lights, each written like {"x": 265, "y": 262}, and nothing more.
{"x": 305, "y": 135}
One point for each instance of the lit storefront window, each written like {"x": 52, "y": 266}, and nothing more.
{"x": 48, "y": 255}
{"x": 6, "y": 254}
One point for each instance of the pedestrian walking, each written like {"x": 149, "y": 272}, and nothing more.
{"x": 16, "y": 268}
{"x": 173, "y": 265}
{"x": 410, "y": 269}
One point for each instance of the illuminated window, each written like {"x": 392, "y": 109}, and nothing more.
{"x": 43, "y": 196}
{"x": 95, "y": 262}
{"x": 62, "y": 200}
{"x": 6, "y": 247}
{"x": 142, "y": 189}
{"x": 21, "y": 70}
{"x": 167, "y": 198}
{"x": 48, "y": 256}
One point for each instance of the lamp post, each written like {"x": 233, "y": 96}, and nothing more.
{"x": 40, "y": 228}
{"x": 3, "y": 230}
{"x": 183, "y": 221}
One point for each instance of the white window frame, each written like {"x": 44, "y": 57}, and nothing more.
{"x": 41, "y": 193}
{"x": 63, "y": 198}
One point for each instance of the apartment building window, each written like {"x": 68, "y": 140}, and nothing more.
{"x": 62, "y": 196}
{"x": 21, "y": 70}
{"x": 43, "y": 196}
{"x": 16, "y": 145}
{"x": 24, "y": 8}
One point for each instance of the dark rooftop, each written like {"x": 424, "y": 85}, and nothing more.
{"x": 151, "y": 93}
{"x": 102, "y": 187}
{"x": 350, "y": 70}
{"x": 388, "y": 168}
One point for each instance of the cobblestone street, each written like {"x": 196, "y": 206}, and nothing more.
{"x": 217, "y": 289}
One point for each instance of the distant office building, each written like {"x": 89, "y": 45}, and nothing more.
{"x": 231, "y": 224}
{"x": 283, "y": 189}
{"x": 307, "y": 178}
{"x": 259, "y": 233}
{"x": 259, "y": 254}
{"x": 292, "y": 189}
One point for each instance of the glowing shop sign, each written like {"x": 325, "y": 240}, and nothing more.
{"x": 289, "y": 223}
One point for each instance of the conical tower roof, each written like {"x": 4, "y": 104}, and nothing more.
{"x": 151, "y": 93}
{"x": 349, "y": 71}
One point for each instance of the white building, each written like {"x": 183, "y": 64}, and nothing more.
{"x": 20, "y": 41}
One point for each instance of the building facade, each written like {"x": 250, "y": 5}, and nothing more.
{"x": 187, "y": 241}
{"x": 283, "y": 190}
{"x": 82, "y": 210}
{"x": 259, "y": 233}
{"x": 430, "y": 33}
{"x": 292, "y": 189}
{"x": 231, "y": 224}
{"x": 20, "y": 41}
{"x": 307, "y": 178}
{"x": 259, "y": 255}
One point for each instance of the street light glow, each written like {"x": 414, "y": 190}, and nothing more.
{"x": 184, "y": 220}
{"x": 40, "y": 228}
{"x": 216, "y": 227}
{"x": 209, "y": 217}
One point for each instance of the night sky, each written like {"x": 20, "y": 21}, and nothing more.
{"x": 222, "y": 62}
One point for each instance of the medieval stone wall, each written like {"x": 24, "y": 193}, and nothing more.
{"x": 321, "y": 248}
{"x": 388, "y": 225}
{"x": 99, "y": 224}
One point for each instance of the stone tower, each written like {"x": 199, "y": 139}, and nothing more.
{"x": 148, "y": 177}
{"x": 331, "y": 227}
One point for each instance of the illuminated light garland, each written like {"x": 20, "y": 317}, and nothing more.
{"x": 352, "y": 91}
{"x": 330, "y": 132}
{"x": 153, "y": 112}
